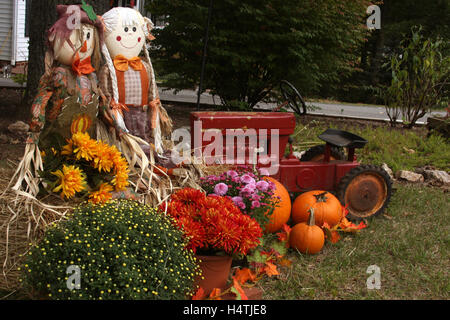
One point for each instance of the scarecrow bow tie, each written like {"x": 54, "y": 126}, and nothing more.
{"x": 121, "y": 63}
{"x": 82, "y": 67}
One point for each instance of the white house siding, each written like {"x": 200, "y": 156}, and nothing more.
{"x": 21, "y": 40}
{"x": 6, "y": 32}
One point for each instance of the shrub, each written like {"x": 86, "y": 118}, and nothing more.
{"x": 124, "y": 250}
{"x": 419, "y": 79}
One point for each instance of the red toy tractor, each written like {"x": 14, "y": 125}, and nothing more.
{"x": 364, "y": 189}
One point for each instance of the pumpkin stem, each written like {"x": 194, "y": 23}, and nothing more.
{"x": 321, "y": 197}
{"x": 312, "y": 218}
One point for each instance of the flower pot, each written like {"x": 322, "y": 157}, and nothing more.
{"x": 215, "y": 271}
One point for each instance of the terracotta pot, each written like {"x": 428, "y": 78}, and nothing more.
{"x": 215, "y": 271}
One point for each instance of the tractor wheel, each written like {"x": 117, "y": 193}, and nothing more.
{"x": 316, "y": 153}
{"x": 365, "y": 190}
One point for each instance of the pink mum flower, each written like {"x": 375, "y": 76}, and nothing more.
{"x": 262, "y": 185}
{"x": 232, "y": 173}
{"x": 247, "y": 179}
{"x": 220, "y": 189}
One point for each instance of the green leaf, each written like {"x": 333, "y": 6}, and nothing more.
{"x": 236, "y": 292}
{"x": 279, "y": 247}
{"x": 89, "y": 11}
{"x": 256, "y": 257}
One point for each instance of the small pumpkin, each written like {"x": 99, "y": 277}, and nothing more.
{"x": 307, "y": 237}
{"x": 326, "y": 206}
{"x": 282, "y": 212}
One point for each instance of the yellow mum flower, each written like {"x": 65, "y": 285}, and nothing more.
{"x": 120, "y": 181}
{"x": 67, "y": 150}
{"x": 121, "y": 170}
{"x": 71, "y": 181}
{"x": 84, "y": 146}
{"x": 102, "y": 195}
{"x": 104, "y": 157}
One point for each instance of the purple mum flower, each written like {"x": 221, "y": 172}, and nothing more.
{"x": 249, "y": 189}
{"x": 241, "y": 205}
{"x": 220, "y": 189}
{"x": 236, "y": 200}
{"x": 232, "y": 173}
{"x": 262, "y": 185}
{"x": 247, "y": 179}
{"x": 255, "y": 204}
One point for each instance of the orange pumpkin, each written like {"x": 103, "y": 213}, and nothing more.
{"x": 327, "y": 208}
{"x": 307, "y": 237}
{"x": 282, "y": 212}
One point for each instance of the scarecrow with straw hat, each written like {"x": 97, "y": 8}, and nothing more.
{"x": 68, "y": 94}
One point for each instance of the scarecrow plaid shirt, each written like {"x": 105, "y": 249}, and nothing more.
{"x": 133, "y": 87}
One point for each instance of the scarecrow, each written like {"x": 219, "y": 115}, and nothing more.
{"x": 68, "y": 94}
{"x": 129, "y": 85}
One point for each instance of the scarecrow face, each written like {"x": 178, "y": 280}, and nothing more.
{"x": 125, "y": 40}
{"x": 83, "y": 42}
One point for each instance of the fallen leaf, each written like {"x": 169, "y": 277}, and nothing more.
{"x": 245, "y": 274}
{"x": 331, "y": 233}
{"x": 285, "y": 262}
{"x": 270, "y": 269}
{"x": 335, "y": 236}
{"x": 345, "y": 210}
{"x": 199, "y": 295}
{"x": 238, "y": 291}
{"x": 215, "y": 294}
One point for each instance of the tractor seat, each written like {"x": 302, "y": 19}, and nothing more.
{"x": 339, "y": 138}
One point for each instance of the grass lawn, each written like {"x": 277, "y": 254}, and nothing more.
{"x": 410, "y": 245}
{"x": 400, "y": 149}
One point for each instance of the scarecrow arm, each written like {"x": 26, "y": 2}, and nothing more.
{"x": 110, "y": 109}
{"x": 38, "y": 114}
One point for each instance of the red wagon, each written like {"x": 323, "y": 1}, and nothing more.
{"x": 364, "y": 189}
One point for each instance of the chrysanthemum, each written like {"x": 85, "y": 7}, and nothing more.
{"x": 84, "y": 146}
{"x": 71, "y": 181}
{"x": 120, "y": 180}
{"x": 103, "y": 157}
{"x": 67, "y": 150}
{"x": 121, "y": 170}
{"x": 102, "y": 195}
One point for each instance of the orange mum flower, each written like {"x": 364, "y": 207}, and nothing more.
{"x": 71, "y": 181}
{"x": 84, "y": 146}
{"x": 104, "y": 157}
{"x": 102, "y": 195}
{"x": 212, "y": 222}
{"x": 121, "y": 170}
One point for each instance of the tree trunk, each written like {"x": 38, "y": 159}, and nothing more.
{"x": 43, "y": 15}
{"x": 377, "y": 60}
